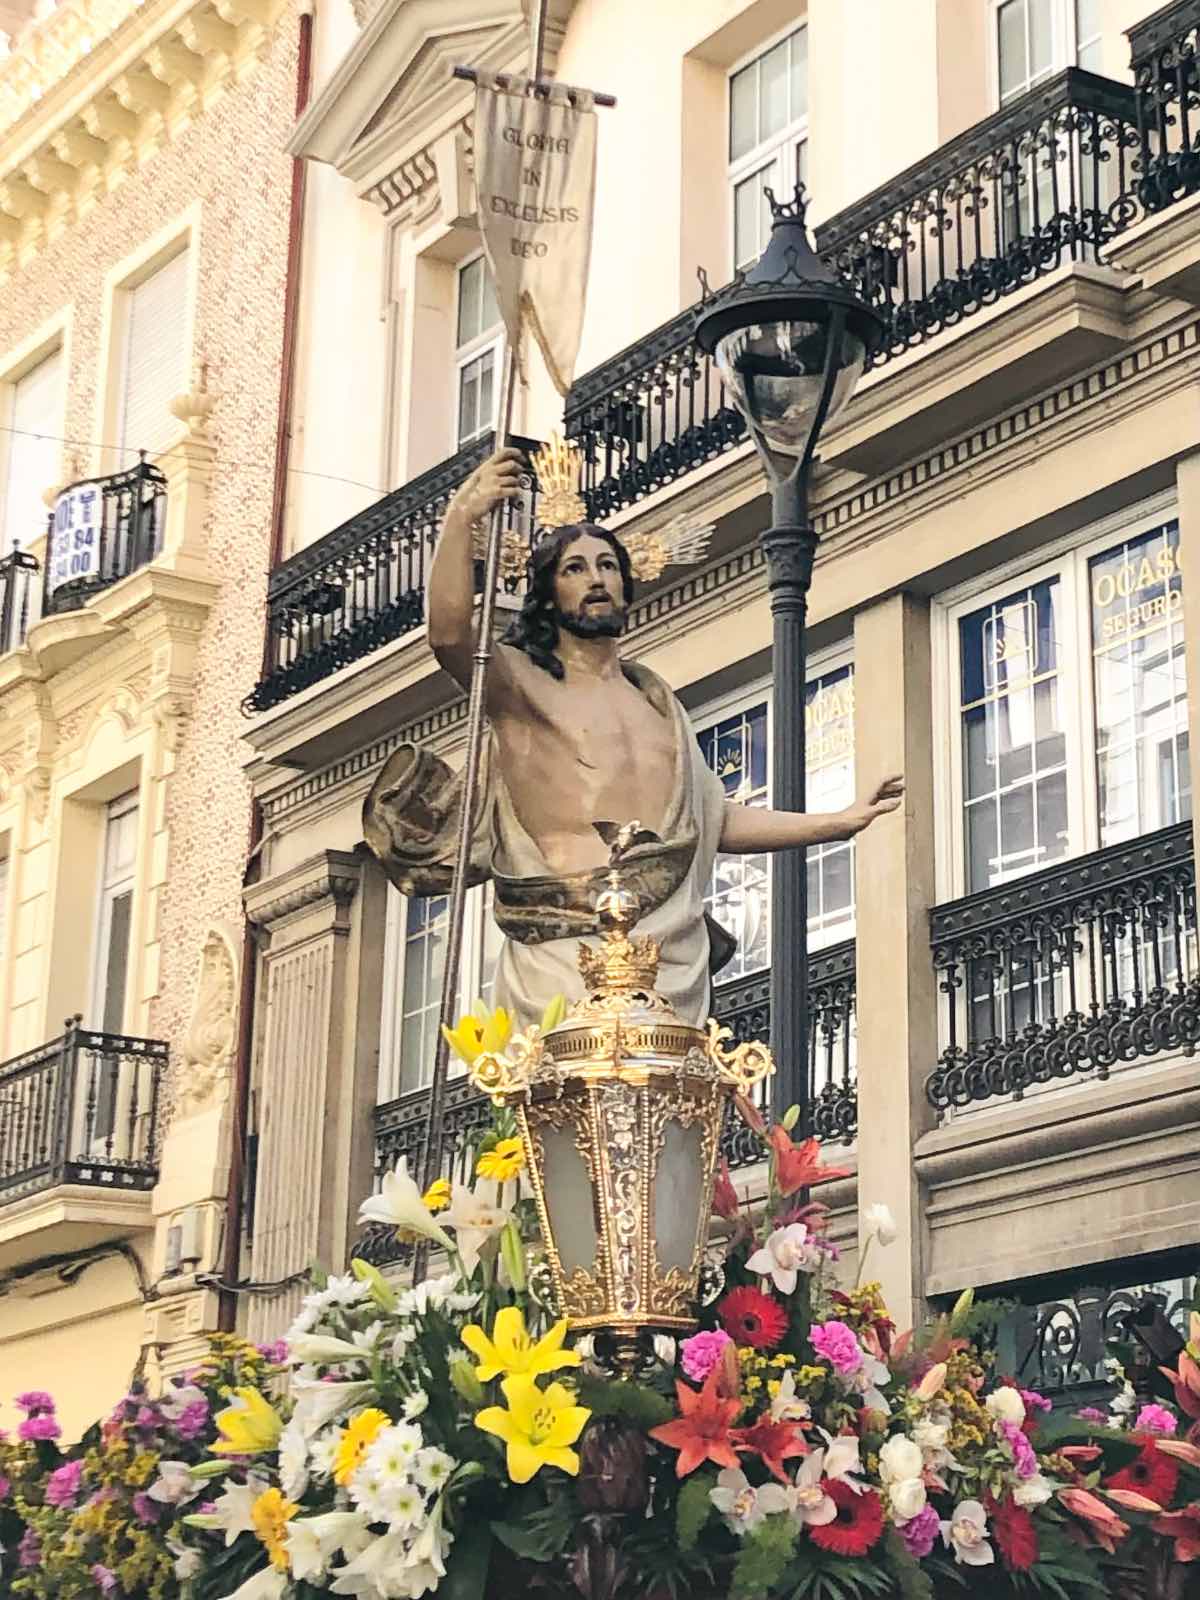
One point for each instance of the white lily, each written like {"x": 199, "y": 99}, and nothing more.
{"x": 399, "y": 1205}
{"x": 293, "y": 1460}
{"x": 318, "y": 1404}
{"x": 477, "y": 1217}
{"x": 312, "y": 1542}
{"x": 431, "y": 1545}
{"x": 231, "y": 1510}
{"x": 878, "y": 1222}
{"x": 374, "y": 1571}
{"x": 269, "y": 1584}
{"x": 323, "y": 1349}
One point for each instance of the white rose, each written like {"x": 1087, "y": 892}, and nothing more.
{"x": 1030, "y": 1492}
{"x": 900, "y": 1458}
{"x": 1006, "y": 1405}
{"x": 907, "y": 1497}
{"x": 931, "y": 1436}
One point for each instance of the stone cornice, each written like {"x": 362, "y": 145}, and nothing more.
{"x": 100, "y": 114}
{"x": 331, "y": 878}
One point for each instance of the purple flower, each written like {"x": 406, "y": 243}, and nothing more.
{"x": 62, "y": 1486}
{"x": 147, "y": 1417}
{"x": 104, "y": 1577}
{"x": 920, "y": 1533}
{"x": 1023, "y": 1452}
{"x": 34, "y": 1400}
{"x": 276, "y": 1353}
{"x": 1155, "y": 1419}
{"x": 29, "y": 1551}
{"x": 836, "y": 1343}
{"x": 702, "y": 1352}
{"x": 207, "y": 1507}
{"x": 39, "y": 1425}
{"x": 1092, "y": 1414}
{"x": 144, "y": 1509}
{"x": 5, "y": 1486}
{"x": 1035, "y": 1401}
{"x": 192, "y": 1420}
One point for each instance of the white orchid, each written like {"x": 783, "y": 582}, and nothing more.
{"x": 966, "y": 1533}
{"x": 312, "y": 1542}
{"x": 879, "y": 1223}
{"x": 176, "y": 1400}
{"x": 788, "y": 1406}
{"x": 787, "y": 1253}
{"x": 399, "y": 1205}
{"x": 807, "y": 1500}
{"x": 318, "y": 1404}
{"x": 741, "y": 1504}
{"x": 174, "y": 1485}
{"x": 188, "y": 1562}
{"x": 477, "y": 1218}
{"x": 839, "y": 1459}
{"x": 1032, "y": 1491}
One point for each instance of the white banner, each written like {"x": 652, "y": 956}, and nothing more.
{"x": 535, "y": 176}
{"x": 75, "y": 542}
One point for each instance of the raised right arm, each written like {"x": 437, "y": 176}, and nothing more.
{"x": 450, "y": 597}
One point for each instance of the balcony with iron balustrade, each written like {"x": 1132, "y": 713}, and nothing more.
{"x": 744, "y": 1007}
{"x": 79, "y": 1138}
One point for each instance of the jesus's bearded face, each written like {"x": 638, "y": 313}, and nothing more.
{"x": 589, "y": 598}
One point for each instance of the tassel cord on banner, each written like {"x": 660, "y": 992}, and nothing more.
{"x": 476, "y": 719}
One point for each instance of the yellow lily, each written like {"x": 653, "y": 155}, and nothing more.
{"x": 511, "y": 1349}
{"x": 480, "y": 1030}
{"x": 249, "y": 1428}
{"x": 502, "y": 1162}
{"x": 554, "y": 1013}
{"x": 539, "y": 1427}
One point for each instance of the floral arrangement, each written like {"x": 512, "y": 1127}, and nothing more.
{"x": 99, "y": 1519}
{"x": 455, "y": 1438}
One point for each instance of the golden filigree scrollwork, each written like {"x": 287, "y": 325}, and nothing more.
{"x": 742, "y": 1066}
{"x": 621, "y": 965}
{"x": 509, "y": 1072}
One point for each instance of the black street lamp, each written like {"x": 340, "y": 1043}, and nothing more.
{"x": 790, "y": 341}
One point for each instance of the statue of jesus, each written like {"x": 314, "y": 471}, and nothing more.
{"x": 579, "y": 736}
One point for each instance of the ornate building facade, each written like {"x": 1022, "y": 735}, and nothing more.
{"x": 1005, "y": 987}
{"x": 144, "y": 215}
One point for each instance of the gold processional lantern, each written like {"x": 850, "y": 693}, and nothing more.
{"x": 620, "y": 1109}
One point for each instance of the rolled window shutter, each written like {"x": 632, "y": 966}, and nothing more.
{"x": 34, "y": 450}
{"x": 155, "y": 367}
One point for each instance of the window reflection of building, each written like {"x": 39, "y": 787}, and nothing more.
{"x": 737, "y": 747}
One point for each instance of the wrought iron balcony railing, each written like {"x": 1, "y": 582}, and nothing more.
{"x": 744, "y": 1007}
{"x": 1167, "y": 79}
{"x": 1069, "y": 972}
{"x": 81, "y": 1109}
{"x": 100, "y": 530}
{"x": 1049, "y": 179}
{"x": 18, "y": 576}
{"x": 363, "y": 585}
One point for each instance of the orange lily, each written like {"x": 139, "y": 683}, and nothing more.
{"x": 798, "y": 1166}
{"x": 773, "y": 1443}
{"x": 1184, "y": 1527}
{"x": 701, "y": 1432}
{"x": 1186, "y": 1384}
{"x": 725, "y": 1200}
{"x": 1104, "y": 1525}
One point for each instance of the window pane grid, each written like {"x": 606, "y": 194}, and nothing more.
{"x": 768, "y": 102}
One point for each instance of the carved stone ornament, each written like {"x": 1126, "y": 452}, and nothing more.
{"x": 211, "y": 1037}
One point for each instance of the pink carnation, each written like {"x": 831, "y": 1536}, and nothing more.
{"x": 1023, "y": 1452}
{"x": 920, "y": 1533}
{"x": 62, "y": 1486}
{"x": 1155, "y": 1419}
{"x": 702, "y": 1352}
{"x": 1092, "y": 1414}
{"x": 104, "y": 1578}
{"x": 835, "y": 1342}
{"x": 39, "y": 1425}
{"x": 1035, "y": 1401}
{"x": 34, "y": 1400}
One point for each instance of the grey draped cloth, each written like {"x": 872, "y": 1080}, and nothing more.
{"x": 411, "y": 821}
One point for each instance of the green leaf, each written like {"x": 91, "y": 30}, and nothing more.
{"x": 633, "y": 1402}
{"x": 467, "y": 1564}
{"x": 540, "y": 1532}
{"x": 765, "y": 1555}
{"x": 911, "y": 1582}
{"x": 693, "y": 1508}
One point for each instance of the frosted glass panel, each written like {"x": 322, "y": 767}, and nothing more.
{"x": 569, "y": 1200}
{"x": 677, "y": 1194}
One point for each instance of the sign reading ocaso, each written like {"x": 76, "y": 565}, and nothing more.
{"x": 75, "y": 537}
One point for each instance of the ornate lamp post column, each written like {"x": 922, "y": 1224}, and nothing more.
{"x": 790, "y": 341}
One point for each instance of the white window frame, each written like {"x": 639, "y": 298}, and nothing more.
{"x": 389, "y": 1085}
{"x": 1068, "y": 558}
{"x": 1064, "y": 51}
{"x": 782, "y": 146}
{"x": 109, "y": 890}
{"x": 53, "y": 337}
{"x": 465, "y": 355}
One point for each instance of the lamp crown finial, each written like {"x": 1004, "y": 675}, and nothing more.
{"x": 793, "y": 210}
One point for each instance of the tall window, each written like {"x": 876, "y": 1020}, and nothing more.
{"x": 768, "y": 130}
{"x": 414, "y": 963}
{"x": 110, "y": 976}
{"x": 1036, "y": 38}
{"x": 737, "y": 747}
{"x": 31, "y": 449}
{"x": 152, "y": 367}
{"x": 1072, "y": 707}
{"x": 479, "y": 344}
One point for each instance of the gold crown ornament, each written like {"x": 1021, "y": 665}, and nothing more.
{"x": 559, "y": 468}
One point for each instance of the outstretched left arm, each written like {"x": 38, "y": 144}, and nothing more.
{"x": 748, "y": 829}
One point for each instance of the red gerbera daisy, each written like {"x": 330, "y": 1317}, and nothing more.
{"x": 752, "y": 1318}
{"x": 858, "y": 1524}
{"x": 1152, "y": 1474}
{"x": 1015, "y": 1534}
